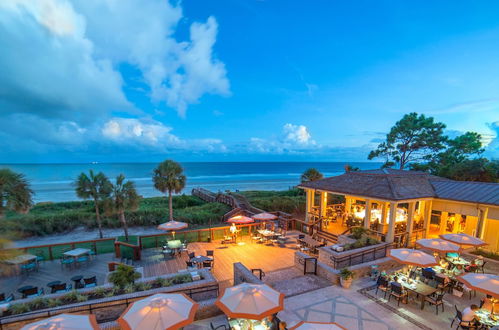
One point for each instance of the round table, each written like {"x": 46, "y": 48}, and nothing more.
{"x": 24, "y": 288}
{"x": 77, "y": 280}
{"x": 200, "y": 259}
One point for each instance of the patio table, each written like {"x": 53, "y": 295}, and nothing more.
{"x": 485, "y": 318}
{"x": 310, "y": 241}
{"x": 77, "y": 281}
{"x": 75, "y": 253}
{"x": 21, "y": 259}
{"x": 458, "y": 261}
{"x": 423, "y": 290}
{"x": 200, "y": 259}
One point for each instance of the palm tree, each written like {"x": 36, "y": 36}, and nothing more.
{"x": 96, "y": 187}
{"x": 311, "y": 174}
{"x": 169, "y": 177}
{"x": 123, "y": 197}
{"x": 15, "y": 192}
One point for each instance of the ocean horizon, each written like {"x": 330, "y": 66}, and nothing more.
{"x": 53, "y": 182}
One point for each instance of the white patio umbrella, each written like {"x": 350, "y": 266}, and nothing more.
{"x": 412, "y": 257}
{"x": 486, "y": 283}
{"x": 438, "y": 245}
{"x": 160, "y": 311}
{"x": 250, "y": 301}
{"x": 240, "y": 219}
{"x": 463, "y": 239}
{"x": 66, "y": 322}
{"x": 173, "y": 226}
{"x": 303, "y": 325}
{"x": 264, "y": 216}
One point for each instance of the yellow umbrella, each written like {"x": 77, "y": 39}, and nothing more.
{"x": 486, "y": 283}
{"x": 438, "y": 245}
{"x": 173, "y": 226}
{"x": 412, "y": 257}
{"x": 463, "y": 239}
{"x": 317, "y": 326}
{"x": 66, "y": 322}
{"x": 250, "y": 301}
{"x": 160, "y": 311}
{"x": 240, "y": 219}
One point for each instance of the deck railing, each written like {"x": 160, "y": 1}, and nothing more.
{"x": 361, "y": 257}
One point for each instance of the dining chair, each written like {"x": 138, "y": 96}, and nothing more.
{"x": 397, "y": 292}
{"x": 437, "y": 301}
{"x": 90, "y": 282}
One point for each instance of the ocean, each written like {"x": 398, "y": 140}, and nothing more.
{"x": 53, "y": 182}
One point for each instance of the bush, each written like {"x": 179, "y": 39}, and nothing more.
{"x": 486, "y": 254}
{"x": 346, "y": 273}
{"x": 38, "y": 303}
{"x": 73, "y": 297}
{"x": 19, "y": 308}
{"x": 358, "y": 232}
{"x": 123, "y": 275}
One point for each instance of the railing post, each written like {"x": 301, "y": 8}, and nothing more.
{"x": 51, "y": 256}
{"x": 156, "y": 241}
{"x": 95, "y": 247}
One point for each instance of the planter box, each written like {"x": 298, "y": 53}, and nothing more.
{"x": 339, "y": 260}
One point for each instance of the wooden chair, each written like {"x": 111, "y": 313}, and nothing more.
{"x": 61, "y": 288}
{"x": 383, "y": 285}
{"x": 460, "y": 323}
{"x": 33, "y": 292}
{"x": 90, "y": 282}
{"x": 191, "y": 255}
{"x": 437, "y": 301}
{"x": 480, "y": 268}
{"x": 207, "y": 264}
{"x": 397, "y": 292}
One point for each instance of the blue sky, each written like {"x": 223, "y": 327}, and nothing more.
{"x": 239, "y": 80}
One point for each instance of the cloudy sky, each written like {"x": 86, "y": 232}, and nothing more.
{"x": 239, "y": 80}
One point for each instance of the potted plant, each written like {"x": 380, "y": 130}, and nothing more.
{"x": 346, "y": 277}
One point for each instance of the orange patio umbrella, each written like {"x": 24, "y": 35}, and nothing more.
{"x": 240, "y": 220}
{"x": 463, "y": 239}
{"x": 438, "y": 245}
{"x": 486, "y": 283}
{"x": 173, "y": 226}
{"x": 66, "y": 322}
{"x": 250, "y": 301}
{"x": 317, "y": 326}
{"x": 159, "y": 312}
{"x": 412, "y": 257}
{"x": 264, "y": 216}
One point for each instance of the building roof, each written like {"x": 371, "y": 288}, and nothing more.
{"x": 391, "y": 184}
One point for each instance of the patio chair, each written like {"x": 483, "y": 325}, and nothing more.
{"x": 428, "y": 275}
{"x": 67, "y": 262}
{"x": 222, "y": 326}
{"x": 301, "y": 236}
{"x": 29, "y": 267}
{"x": 481, "y": 268}
{"x": 437, "y": 301}
{"x": 32, "y": 293}
{"x": 383, "y": 285}
{"x": 81, "y": 260}
{"x": 460, "y": 323}
{"x": 4, "y": 300}
{"x": 191, "y": 255}
{"x": 207, "y": 264}
{"x": 61, "y": 288}
{"x": 90, "y": 282}
{"x": 397, "y": 292}
{"x": 190, "y": 265}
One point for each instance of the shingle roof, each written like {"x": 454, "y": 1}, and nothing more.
{"x": 394, "y": 184}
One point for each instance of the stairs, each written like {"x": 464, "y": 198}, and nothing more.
{"x": 327, "y": 236}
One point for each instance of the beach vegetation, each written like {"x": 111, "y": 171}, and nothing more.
{"x": 123, "y": 276}
{"x": 169, "y": 178}
{"x": 15, "y": 192}
{"x": 96, "y": 187}
{"x": 311, "y": 174}
{"x": 291, "y": 201}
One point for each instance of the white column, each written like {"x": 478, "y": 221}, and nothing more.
{"x": 391, "y": 225}
{"x": 443, "y": 222}
{"x": 348, "y": 204}
{"x": 384, "y": 212}
{"x": 309, "y": 203}
{"x": 410, "y": 218}
{"x": 482, "y": 222}
{"x": 457, "y": 220}
{"x": 367, "y": 217}
{"x": 323, "y": 204}
{"x": 427, "y": 217}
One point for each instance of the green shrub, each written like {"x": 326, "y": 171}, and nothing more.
{"x": 142, "y": 286}
{"x": 73, "y": 297}
{"x": 123, "y": 276}
{"x": 38, "y": 303}
{"x": 99, "y": 292}
{"x": 54, "y": 303}
{"x": 19, "y": 308}
{"x": 346, "y": 273}
{"x": 180, "y": 279}
{"x": 358, "y": 232}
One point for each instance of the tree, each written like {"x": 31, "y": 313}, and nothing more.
{"x": 413, "y": 138}
{"x": 15, "y": 192}
{"x": 96, "y": 187}
{"x": 480, "y": 169}
{"x": 169, "y": 178}
{"x": 311, "y": 174}
{"x": 350, "y": 168}
{"x": 123, "y": 197}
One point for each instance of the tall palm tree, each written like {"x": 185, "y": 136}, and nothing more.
{"x": 311, "y": 174}
{"x": 15, "y": 192}
{"x": 96, "y": 187}
{"x": 169, "y": 178}
{"x": 123, "y": 197}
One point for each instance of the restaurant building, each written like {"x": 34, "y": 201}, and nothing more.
{"x": 402, "y": 206}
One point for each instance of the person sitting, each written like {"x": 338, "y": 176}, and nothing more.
{"x": 478, "y": 261}
{"x": 469, "y": 315}
{"x": 443, "y": 263}
{"x": 458, "y": 270}
{"x": 443, "y": 275}
{"x": 395, "y": 281}
{"x": 488, "y": 303}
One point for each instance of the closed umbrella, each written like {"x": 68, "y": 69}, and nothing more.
{"x": 486, "y": 283}
{"x": 317, "y": 326}
{"x": 412, "y": 257}
{"x": 250, "y": 301}
{"x": 240, "y": 220}
{"x": 66, "y": 322}
{"x": 160, "y": 311}
{"x": 264, "y": 216}
{"x": 438, "y": 245}
{"x": 173, "y": 226}
{"x": 463, "y": 239}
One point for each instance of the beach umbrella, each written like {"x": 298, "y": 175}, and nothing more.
{"x": 317, "y": 326}
{"x": 66, "y": 322}
{"x": 463, "y": 239}
{"x": 250, "y": 301}
{"x": 160, "y": 311}
{"x": 412, "y": 257}
{"x": 438, "y": 245}
{"x": 173, "y": 226}
{"x": 264, "y": 216}
{"x": 240, "y": 220}
{"x": 486, "y": 283}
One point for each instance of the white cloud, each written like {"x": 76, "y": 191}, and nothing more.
{"x": 293, "y": 139}
{"x": 126, "y": 130}
{"x": 297, "y": 134}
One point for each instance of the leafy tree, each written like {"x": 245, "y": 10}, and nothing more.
{"x": 480, "y": 169}
{"x": 15, "y": 192}
{"x": 169, "y": 178}
{"x": 413, "y": 138}
{"x": 96, "y": 187}
{"x": 123, "y": 276}
{"x": 350, "y": 168}
{"x": 123, "y": 197}
{"x": 311, "y": 174}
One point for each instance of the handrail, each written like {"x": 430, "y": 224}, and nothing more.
{"x": 337, "y": 261}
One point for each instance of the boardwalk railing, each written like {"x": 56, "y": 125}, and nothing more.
{"x": 361, "y": 257}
